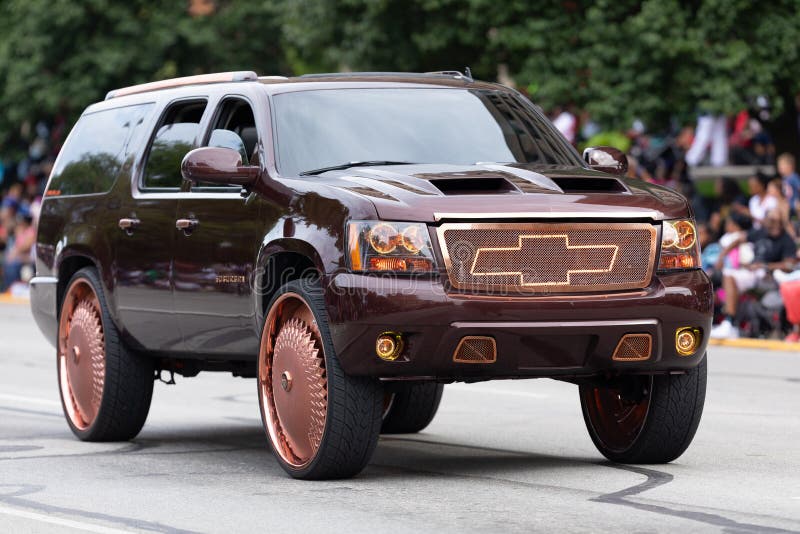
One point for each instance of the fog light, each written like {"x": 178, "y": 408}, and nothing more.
{"x": 389, "y": 346}
{"x": 687, "y": 340}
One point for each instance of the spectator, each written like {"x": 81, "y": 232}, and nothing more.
{"x": 731, "y": 201}
{"x": 566, "y": 123}
{"x": 711, "y": 130}
{"x": 773, "y": 249}
{"x": 760, "y": 202}
{"x": 19, "y": 253}
{"x": 791, "y": 180}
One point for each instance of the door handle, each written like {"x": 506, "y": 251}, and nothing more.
{"x": 187, "y": 225}
{"x": 128, "y": 224}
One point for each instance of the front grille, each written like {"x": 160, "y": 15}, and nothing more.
{"x": 547, "y": 258}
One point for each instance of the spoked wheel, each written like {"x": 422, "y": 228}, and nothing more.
{"x": 105, "y": 389}
{"x": 645, "y": 419}
{"x": 81, "y": 354}
{"x": 320, "y": 422}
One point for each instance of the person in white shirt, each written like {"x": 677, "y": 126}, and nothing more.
{"x": 566, "y": 123}
{"x": 760, "y": 202}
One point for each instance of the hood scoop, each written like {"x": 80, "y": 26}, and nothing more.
{"x": 473, "y": 186}
{"x": 589, "y": 185}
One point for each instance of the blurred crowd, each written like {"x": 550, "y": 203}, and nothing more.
{"x": 22, "y": 182}
{"x": 748, "y": 228}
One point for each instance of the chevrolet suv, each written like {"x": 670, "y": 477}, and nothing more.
{"x": 354, "y": 242}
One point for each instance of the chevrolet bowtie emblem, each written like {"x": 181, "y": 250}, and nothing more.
{"x": 544, "y": 260}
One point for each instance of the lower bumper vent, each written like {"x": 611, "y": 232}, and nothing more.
{"x": 476, "y": 349}
{"x": 633, "y": 348}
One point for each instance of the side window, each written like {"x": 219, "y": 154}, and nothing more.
{"x": 92, "y": 157}
{"x": 175, "y": 136}
{"x": 235, "y": 128}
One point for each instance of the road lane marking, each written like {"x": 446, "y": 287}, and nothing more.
{"x": 29, "y": 400}
{"x": 68, "y": 523}
{"x": 496, "y": 391}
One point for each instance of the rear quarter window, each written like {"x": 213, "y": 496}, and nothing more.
{"x": 91, "y": 159}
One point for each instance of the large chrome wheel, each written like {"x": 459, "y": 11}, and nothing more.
{"x": 81, "y": 354}
{"x": 105, "y": 389}
{"x": 320, "y": 422}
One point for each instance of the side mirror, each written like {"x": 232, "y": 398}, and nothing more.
{"x": 216, "y": 165}
{"x": 606, "y": 159}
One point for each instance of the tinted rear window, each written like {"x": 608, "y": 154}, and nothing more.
{"x": 93, "y": 155}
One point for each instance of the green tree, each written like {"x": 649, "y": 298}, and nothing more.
{"x": 619, "y": 59}
{"x": 58, "y": 56}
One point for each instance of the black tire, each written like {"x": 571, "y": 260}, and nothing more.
{"x": 127, "y": 387}
{"x": 671, "y": 405}
{"x": 353, "y": 408}
{"x": 410, "y": 406}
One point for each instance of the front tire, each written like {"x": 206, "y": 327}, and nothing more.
{"x": 321, "y": 423}
{"x": 410, "y": 407}
{"x": 105, "y": 389}
{"x": 645, "y": 419}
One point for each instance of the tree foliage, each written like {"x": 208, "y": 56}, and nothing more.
{"x": 618, "y": 59}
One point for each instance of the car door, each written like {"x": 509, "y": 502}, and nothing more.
{"x": 216, "y": 246}
{"x": 144, "y": 250}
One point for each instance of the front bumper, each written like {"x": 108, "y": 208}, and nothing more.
{"x": 43, "y": 305}
{"x": 535, "y": 336}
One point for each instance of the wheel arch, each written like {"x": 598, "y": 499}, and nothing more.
{"x": 280, "y": 261}
{"x": 70, "y": 262}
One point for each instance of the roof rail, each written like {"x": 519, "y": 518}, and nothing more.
{"x": 447, "y": 73}
{"x": 467, "y": 74}
{"x": 219, "y": 77}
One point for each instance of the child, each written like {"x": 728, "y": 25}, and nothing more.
{"x": 791, "y": 180}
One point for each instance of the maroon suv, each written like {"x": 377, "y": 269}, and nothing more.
{"x": 354, "y": 242}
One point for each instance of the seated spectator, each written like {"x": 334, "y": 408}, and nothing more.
{"x": 773, "y": 249}
{"x": 791, "y": 181}
{"x": 760, "y": 202}
{"x": 19, "y": 253}
{"x": 724, "y": 254}
{"x": 731, "y": 201}
{"x": 775, "y": 190}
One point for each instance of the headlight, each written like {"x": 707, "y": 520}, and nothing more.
{"x": 379, "y": 246}
{"x": 679, "y": 246}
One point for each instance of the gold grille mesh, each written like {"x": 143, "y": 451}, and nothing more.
{"x": 633, "y": 348}
{"x": 549, "y": 258}
{"x": 476, "y": 349}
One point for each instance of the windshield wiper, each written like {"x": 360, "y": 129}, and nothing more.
{"x": 354, "y": 164}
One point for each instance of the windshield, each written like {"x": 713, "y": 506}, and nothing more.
{"x": 331, "y": 127}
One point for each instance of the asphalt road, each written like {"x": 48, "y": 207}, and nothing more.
{"x": 510, "y": 456}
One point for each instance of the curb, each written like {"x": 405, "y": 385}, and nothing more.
{"x": 6, "y": 298}
{"x": 748, "y": 343}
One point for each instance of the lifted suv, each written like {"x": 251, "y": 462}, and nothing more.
{"x": 354, "y": 242}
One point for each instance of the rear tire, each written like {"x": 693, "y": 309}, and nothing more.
{"x": 105, "y": 388}
{"x": 321, "y": 423}
{"x": 645, "y": 419}
{"x": 410, "y": 407}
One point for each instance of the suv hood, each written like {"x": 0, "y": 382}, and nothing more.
{"x": 433, "y": 192}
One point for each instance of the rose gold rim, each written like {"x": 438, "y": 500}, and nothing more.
{"x": 81, "y": 354}
{"x": 618, "y": 414}
{"x": 292, "y": 380}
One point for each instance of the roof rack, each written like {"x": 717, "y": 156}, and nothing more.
{"x": 436, "y": 74}
{"x": 219, "y": 77}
